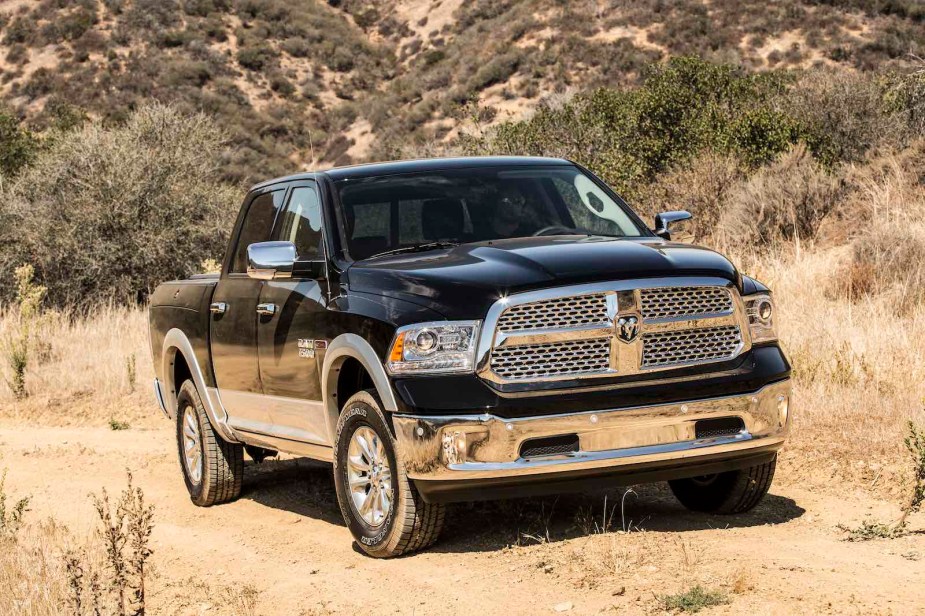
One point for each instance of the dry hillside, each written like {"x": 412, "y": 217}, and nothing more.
{"x": 350, "y": 80}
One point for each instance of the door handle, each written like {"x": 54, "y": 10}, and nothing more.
{"x": 218, "y": 307}
{"x": 266, "y": 309}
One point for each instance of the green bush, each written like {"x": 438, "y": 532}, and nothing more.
{"x": 17, "y": 146}
{"x": 631, "y": 135}
{"x": 256, "y": 58}
{"x": 112, "y": 212}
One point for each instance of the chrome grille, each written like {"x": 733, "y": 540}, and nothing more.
{"x": 672, "y": 302}
{"x": 536, "y": 361}
{"x": 690, "y": 346}
{"x": 619, "y": 328}
{"x": 556, "y": 313}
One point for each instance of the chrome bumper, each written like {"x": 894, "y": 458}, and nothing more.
{"x": 488, "y": 447}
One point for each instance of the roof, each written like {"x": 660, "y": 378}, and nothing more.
{"x": 424, "y": 164}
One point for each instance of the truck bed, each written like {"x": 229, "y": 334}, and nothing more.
{"x": 184, "y": 304}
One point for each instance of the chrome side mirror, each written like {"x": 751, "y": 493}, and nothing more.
{"x": 271, "y": 260}
{"x": 664, "y": 221}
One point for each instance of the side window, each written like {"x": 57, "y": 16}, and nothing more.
{"x": 301, "y": 223}
{"x": 257, "y": 226}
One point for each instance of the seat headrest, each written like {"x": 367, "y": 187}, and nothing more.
{"x": 442, "y": 219}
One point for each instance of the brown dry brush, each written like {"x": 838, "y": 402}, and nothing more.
{"x": 915, "y": 444}
{"x": 10, "y": 516}
{"x": 125, "y": 532}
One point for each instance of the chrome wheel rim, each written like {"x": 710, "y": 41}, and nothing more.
{"x": 369, "y": 477}
{"x": 192, "y": 449}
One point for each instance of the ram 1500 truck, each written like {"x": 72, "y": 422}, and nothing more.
{"x": 470, "y": 328}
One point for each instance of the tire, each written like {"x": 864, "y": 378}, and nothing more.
{"x": 220, "y": 463}
{"x": 407, "y": 524}
{"x": 726, "y": 493}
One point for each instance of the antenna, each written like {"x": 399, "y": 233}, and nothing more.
{"x": 311, "y": 145}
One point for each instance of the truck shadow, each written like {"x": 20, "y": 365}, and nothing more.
{"x": 300, "y": 485}
{"x": 306, "y": 488}
{"x": 494, "y": 525}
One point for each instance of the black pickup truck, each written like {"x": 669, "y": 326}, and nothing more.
{"x": 469, "y": 328}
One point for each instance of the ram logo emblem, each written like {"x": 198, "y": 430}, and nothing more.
{"x": 628, "y": 328}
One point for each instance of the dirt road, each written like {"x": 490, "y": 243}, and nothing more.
{"x": 284, "y": 545}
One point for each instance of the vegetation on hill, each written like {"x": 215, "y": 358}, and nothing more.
{"x": 298, "y": 83}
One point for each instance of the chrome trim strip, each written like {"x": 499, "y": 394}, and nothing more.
{"x": 293, "y": 447}
{"x": 290, "y": 418}
{"x": 624, "y": 300}
{"x": 486, "y": 446}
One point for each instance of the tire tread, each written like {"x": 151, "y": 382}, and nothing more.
{"x": 418, "y": 525}
{"x": 733, "y": 492}
{"x": 222, "y": 462}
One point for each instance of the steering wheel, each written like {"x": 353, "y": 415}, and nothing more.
{"x": 548, "y": 230}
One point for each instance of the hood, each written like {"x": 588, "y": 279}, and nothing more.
{"x": 463, "y": 282}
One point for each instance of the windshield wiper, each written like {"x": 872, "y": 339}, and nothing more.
{"x": 415, "y": 248}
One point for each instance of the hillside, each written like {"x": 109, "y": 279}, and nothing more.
{"x": 301, "y": 83}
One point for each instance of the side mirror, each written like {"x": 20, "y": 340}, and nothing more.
{"x": 663, "y": 223}
{"x": 271, "y": 260}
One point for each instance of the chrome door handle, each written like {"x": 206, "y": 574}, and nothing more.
{"x": 218, "y": 307}
{"x": 266, "y": 309}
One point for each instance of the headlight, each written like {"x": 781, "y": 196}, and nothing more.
{"x": 760, "y": 311}
{"x": 441, "y": 346}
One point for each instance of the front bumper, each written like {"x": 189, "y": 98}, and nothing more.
{"x": 450, "y": 457}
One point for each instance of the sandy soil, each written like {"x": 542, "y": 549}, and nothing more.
{"x": 285, "y": 540}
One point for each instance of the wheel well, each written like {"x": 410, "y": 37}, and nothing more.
{"x": 352, "y": 378}
{"x": 181, "y": 371}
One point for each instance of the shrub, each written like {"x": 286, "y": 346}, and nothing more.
{"x": 906, "y": 96}
{"x": 682, "y": 108}
{"x": 10, "y": 516}
{"x": 694, "y": 600}
{"x": 111, "y": 212}
{"x": 842, "y": 115}
{"x": 17, "y": 146}
{"x": 882, "y": 264}
{"x": 887, "y": 195}
{"x": 256, "y": 58}
{"x": 702, "y": 187}
{"x": 787, "y": 200}
{"x": 17, "y": 347}
{"x": 124, "y": 534}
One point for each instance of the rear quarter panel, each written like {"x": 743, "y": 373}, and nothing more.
{"x": 184, "y": 305}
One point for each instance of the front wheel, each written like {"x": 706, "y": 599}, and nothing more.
{"x": 380, "y": 505}
{"x": 730, "y": 492}
{"x": 213, "y": 468}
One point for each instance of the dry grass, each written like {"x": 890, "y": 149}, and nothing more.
{"x": 33, "y": 581}
{"x": 858, "y": 367}
{"x": 82, "y": 371}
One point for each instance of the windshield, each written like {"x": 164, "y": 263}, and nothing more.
{"x": 436, "y": 208}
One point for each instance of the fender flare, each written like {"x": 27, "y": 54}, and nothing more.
{"x": 340, "y": 349}
{"x": 176, "y": 342}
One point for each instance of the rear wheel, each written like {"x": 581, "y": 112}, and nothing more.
{"x": 212, "y": 467}
{"x": 730, "y": 492}
{"x": 380, "y": 505}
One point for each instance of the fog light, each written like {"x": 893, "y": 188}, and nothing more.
{"x": 783, "y": 408}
